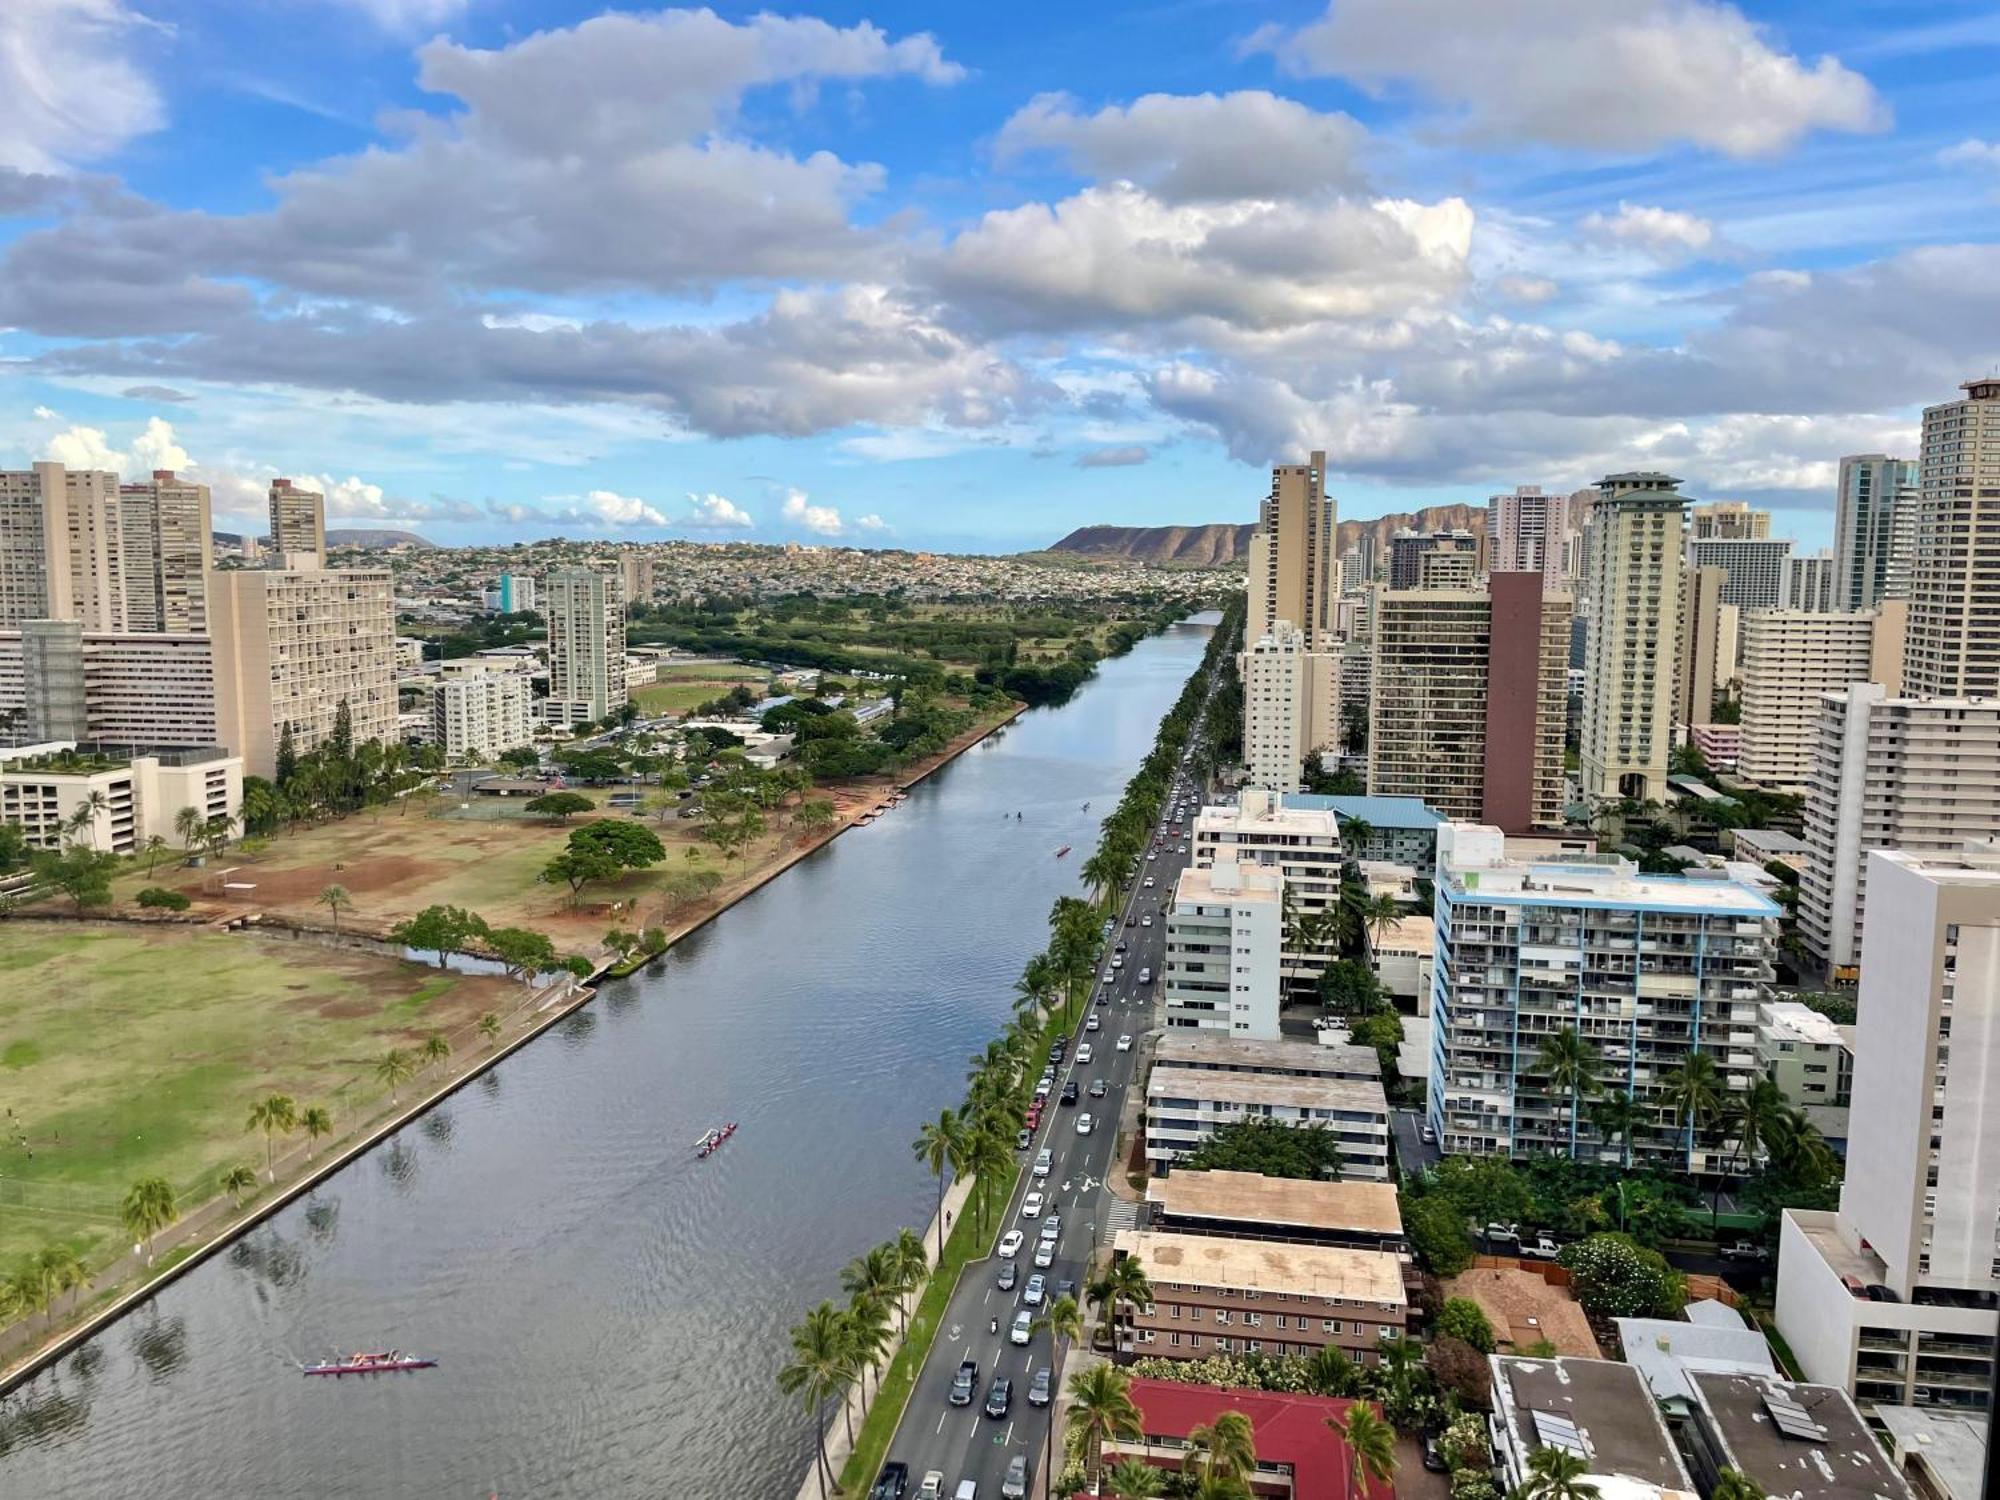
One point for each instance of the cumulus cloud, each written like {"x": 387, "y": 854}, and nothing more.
{"x": 1200, "y": 147}
{"x": 1600, "y": 75}
{"x": 717, "y": 512}
{"x": 74, "y": 92}
{"x": 1526, "y": 289}
{"x": 1663, "y": 233}
{"x": 1113, "y": 458}
{"x": 820, "y": 520}
{"x": 872, "y": 523}
{"x": 82, "y": 448}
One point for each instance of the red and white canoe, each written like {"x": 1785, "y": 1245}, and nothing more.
{"x": 391, "y": 1362}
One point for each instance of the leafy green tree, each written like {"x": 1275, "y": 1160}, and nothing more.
{"x": 1619, "y": 1118}
{"x": 1462, "y": 1318}
{"x": 1267, "y": 1147}
{"x": 1225, "y": 1448}
{"x": 1557, "y": 1474}
{"x": 1349, "y": 987}
{"x": 443, "y": 930}
{"x": 1484, "y": 1189}
{"x": 148, "y": 1208}
{"x": 1133, "y": 1479}
{"x": 275, "y": 1115}
{"x": 559, "y": 807}
{"x": 1100, "y": 1409}
{"x": 1734, "y": 1484}
{"x": 1437, "y": 1233}
{"x": 1460, "y": 1370}
{"x": 522, "y": 950}
{"x": 1615, "y": 1277}
{"x": 83, "y": 875}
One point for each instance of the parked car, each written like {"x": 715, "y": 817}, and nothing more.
{"x": 1015, "y": 1485}
{"x": 1544, "y": 1247}
{"x": 1009, "y": 1274}
{"x": 1745, "y": 1250}
{"x": 1010, "y": 1244}
{"x": 1433, "y": 1459}
{"x": 1022, "y": 1138}
{"x": 999, "y": 1396}
{"x": 964, "y": 1383}
{"x": 893, "y": 1483}
{"x": 1502, "y": 1234}
{"x": 1023, "y": 1329}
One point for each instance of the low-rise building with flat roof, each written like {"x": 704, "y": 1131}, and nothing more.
{"x": 1186, "y": 1106}
{"x": 1216, "y": 1295}
{"x": 1805, "y": 1442}
{"x": 1666, "y": 1350}
{"x": 1526, "y": 1310}
{"x": 1400, "y": 829}
{"x": 1598, "y": 1411}
{"x": 1281, "y": 1059}
{"x": 1763, "y": 846}
{"x": 1941, "y": 1454}
{"x": 1806, "y": 1054}
{"x": 1401, "y": 957}
{"x": 1249, "y": 1205}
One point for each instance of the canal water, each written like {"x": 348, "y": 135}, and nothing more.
{"x": 609, "y": 1312}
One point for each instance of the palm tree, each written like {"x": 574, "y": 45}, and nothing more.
{"x": 316, "y": 1121}
{"x": 334, "y": 898}
{"x": 868, "y": 1333}
{"x": 1692, "y": 1094}
{"x": 1064, "y": 1321}
{"x": 239, "y": 1182}
{"x": 1356, "y": 833}
{"x": 1734, "y": 1484}
{"x": 1755, "y": 1117}
{"x": 872, "y": 1276}
{"x": 188, "y": 826}
{"x": 912, "y": 1264}
{"x": 820, "y": 1369}
{"x": 1371, "y": 1445}
{"x": 1227, "y": 1446}
{"x": 84, "y": 819}
{"x": 938, "y": 1147}
{"x": 1038, "y": 984}
{"x": 1123, "y": 1281}
{"x": 1618, "y": 1118}
{"x": 272, "y": 1114}
{"x": 1381, "y": 913}
{"x": 394, "y": 1068}
{"x": 1133, "y": 1480}
{"x": 1798, "y": 1147}
{"x": 57, "y": 1270}
{"x": 155, "y": 845}
{"x": 1571, "y": 1065}
{"x": 1101, "y": 1408}
{"x": 148, "y": 1208}
{"x": 988, "y": 1156}
{"x": 1333, "y": 1373}
{"x": 489, "y": 1027}
{"x": 436, "y": 1049}
{"x": 1557, "y": 1474}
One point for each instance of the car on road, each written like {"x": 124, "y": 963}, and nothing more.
{"x": 1015, "y": 1485}
{"x": 1122, "y": 946}
{"x": 1083, "y": 1055}
{"x": 1098, "y": 1088}
{"x": 1147, "y": 920}
{"x": 1145, "y": 976}
{"x": 1110, "y": 976}
{"x": 1117, "y": 961}
{"x": 1044, "y": 1159}
{"x": 1745, "y": 1250}
{"x": 1502, "y": 1234}
{"x": 1051, "y": 1228}
{"x": 1045, "y": 1254}
{"x": 1010, "y": 1244}
{"x": 1149, "y": 886}
{"x": 1091, "y": 1025}
{"x": 1009, "y": 1274}
{"x": 933, "y": 1486}
{"x": 1183, "y": 848}
{"x": 1070, "y": 1091}
{"x": 1038, "y": 1286}
{"x": 1130, "y": 920}
{"x": 1125, "y": 1042}
{"x": 1065, "y": 1288}
{"x": 1103, "y": 997}
{"x": 1083, "y": 1123}
{"x": 964, "y": 1383}
{"x": 1031, "y": 1206}
{"x": 893, "y": 1483}
{"x": 1022, "y": 1139}
{"x": 999, "y": 1396}
{"x": 1151, "y": 854}
{"x": 1427, "y": 1135}
{"x": 968, "y": 1489}
{"x": 1023, "y": 1329}
{"x": 1041, "y": 1389}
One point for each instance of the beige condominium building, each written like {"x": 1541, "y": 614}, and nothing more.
{"x": 1954, "y": 644}
{"x": 61, "y": 547}
{"x": 1214, "y": 1295}
{"x": 1728, "y": 520}
{"x": 59, "y": 682}
{"x": 585, "y": 610}
{"x": 1629, "y": 678}
{"x": 1812, "y": 581}
{"x": 1187, "y": 1104}
{"x": 1293, "y": 572}
{"x": 131, "y": 798}
{"x": 1893, "y": 1296}
{"x": 1794, "y": 658}
{"x": 1225, "y": 933}
{"x": 1699, "y": 666}
{"x": 1916, "y": 774}
{"x": 1469, "y": 700}
{"x": 166, "y": 542}
{"x": 1251, "y": 1206}
{"x": 298, "y": 522}
{"x": 1528, "y": 532}
{"x": 291, "y": 645}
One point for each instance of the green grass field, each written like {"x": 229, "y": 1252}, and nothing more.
{"x": 133, "y": 1053}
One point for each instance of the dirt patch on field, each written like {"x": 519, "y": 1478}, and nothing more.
{"x": 288, "y": 889}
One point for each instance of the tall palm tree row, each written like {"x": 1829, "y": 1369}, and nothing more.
{"x": 941, "y": 1147}
{"x": 275, "y": 1115}
{"x": 1693, "y": 1095}
{"x": 820, "y": 1369}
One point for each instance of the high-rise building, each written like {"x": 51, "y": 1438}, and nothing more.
{"x": 1469, "y": 699}
{"x": 1629, "y": 679}
{"x": 1291, "y": 706}
{"x": 1408, "y": 550}
{"x": 1225, "y": 930}
{"x": 1529, "y": 532}
{"x": 293, "y": 644}
{"x": 166, "y": 540}
{"x": 1293, "y": 573}
{"x": 59, "y": 682}
{"x": 1920, "y": 775}
{"x": 1791, "y": 660}
{"x": 61, "y": 547}
{"x": 635, "y": 572}
{"x": 1955, "y": 567}
{"x": 586, "y": 618}
{"x": 477, "y": 715}
{"x": 298, "y": 523}
{"x": 1812, "y": 581}
{"x": 512, "y": 593}
{"x": 1732, "y": 519}
{"x": 1302, "y": 845}
{"x": 1918, "y": 1228}
{"x": 1646, "y": 969}
{"x": 1451, "y": 567}
{"x": 1698, "y": 652}
{"x": 1755, "y": 567}
{"x": 1871, "y": 487}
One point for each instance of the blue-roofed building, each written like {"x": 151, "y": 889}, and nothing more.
{"x": 1402, "y": 830}
{"x": 1646, "y": 969}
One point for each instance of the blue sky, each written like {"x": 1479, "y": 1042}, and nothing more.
{"x": 970, "y": 276}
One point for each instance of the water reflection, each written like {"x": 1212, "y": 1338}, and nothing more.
{"x": 161, "y": 1345}
{"x": 322, "y": 1216}
{"x": 399, "y": 1163}
{"x": 437, "y": 1127}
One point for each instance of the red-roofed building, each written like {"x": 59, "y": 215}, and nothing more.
{"x": 1299, "y": 1457}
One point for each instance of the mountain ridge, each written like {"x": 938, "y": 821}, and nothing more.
{"x": 1223, "y": 544}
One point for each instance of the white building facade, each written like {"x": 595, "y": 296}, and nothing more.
{"x": 1225, "y": 931}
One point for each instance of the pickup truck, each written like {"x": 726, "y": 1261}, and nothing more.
{"x": 1544, "y": 1247}
{"x": 965, "y": 1383}
{"x": 1745, "y": 1250}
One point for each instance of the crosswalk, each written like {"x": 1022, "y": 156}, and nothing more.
{"x": 1122, "y": 1214}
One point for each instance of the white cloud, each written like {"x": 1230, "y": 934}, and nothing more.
{"x": 1114, "y": 458}
{"x": 1527, "y": 289}
{"x": 609, "y": 508}
{"x": 83, "y": 448}
{"x": 408, "y": 17}
{"x": 1971, "y": 153}
{"x": 1602, "y": 75}
{"x": 820, "y": 520}
{"x": 157, "y": 448}
{"x": 717, "y": 512}
{"x": 872, "y": 523}
{"x": 1201, "y": 147}
{"x": 72, "y": 89}
{"x": 1663, "y": 233}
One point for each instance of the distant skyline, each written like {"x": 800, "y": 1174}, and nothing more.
{"x": 966, "y": 278}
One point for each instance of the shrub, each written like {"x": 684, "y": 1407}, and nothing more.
{"x": 160, "y": 898}
{"x": 1461, "y": 1369}
{"x": 1438, "y": 1234}
{"x": 1463, "y": 1444}
{"x": 1462, "y": 1319}
{"x": 1617, "y": 1278}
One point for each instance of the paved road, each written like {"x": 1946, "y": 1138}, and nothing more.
{"x": 962, "y": 1442}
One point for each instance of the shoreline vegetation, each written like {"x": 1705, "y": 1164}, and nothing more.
{"x": 837, "y": 1349}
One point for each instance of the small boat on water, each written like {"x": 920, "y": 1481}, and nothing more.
{"x": 1062, "y": 851}
{"x": 714, "y": 1138}
{"x": 388, "y": 1362}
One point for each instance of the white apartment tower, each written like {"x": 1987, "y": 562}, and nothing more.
{"x": 165, "y": 536}
{"x": 1812, "y": 581}
{"x": 1872, "y": 488}
{"x": 1291, "y": 705}
{"x": 298, "y": 522}
{"x": 1301, "y": 844}
{"x": 1755, "y": 567}
{"x": 1921, "y": 775}
{"x": 477, "y": 715}
{"x": 585, "y": 609}
{"x": 1528, "y": 532}
{"x": 1225, "y": 931}
{"x": 1954, "y": 649}
{"x": 1791, "y": 660}
{"x": 1629, "y": 679}
{"x": 1919, "y": 1210}
{"x": 61, "y": 547}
